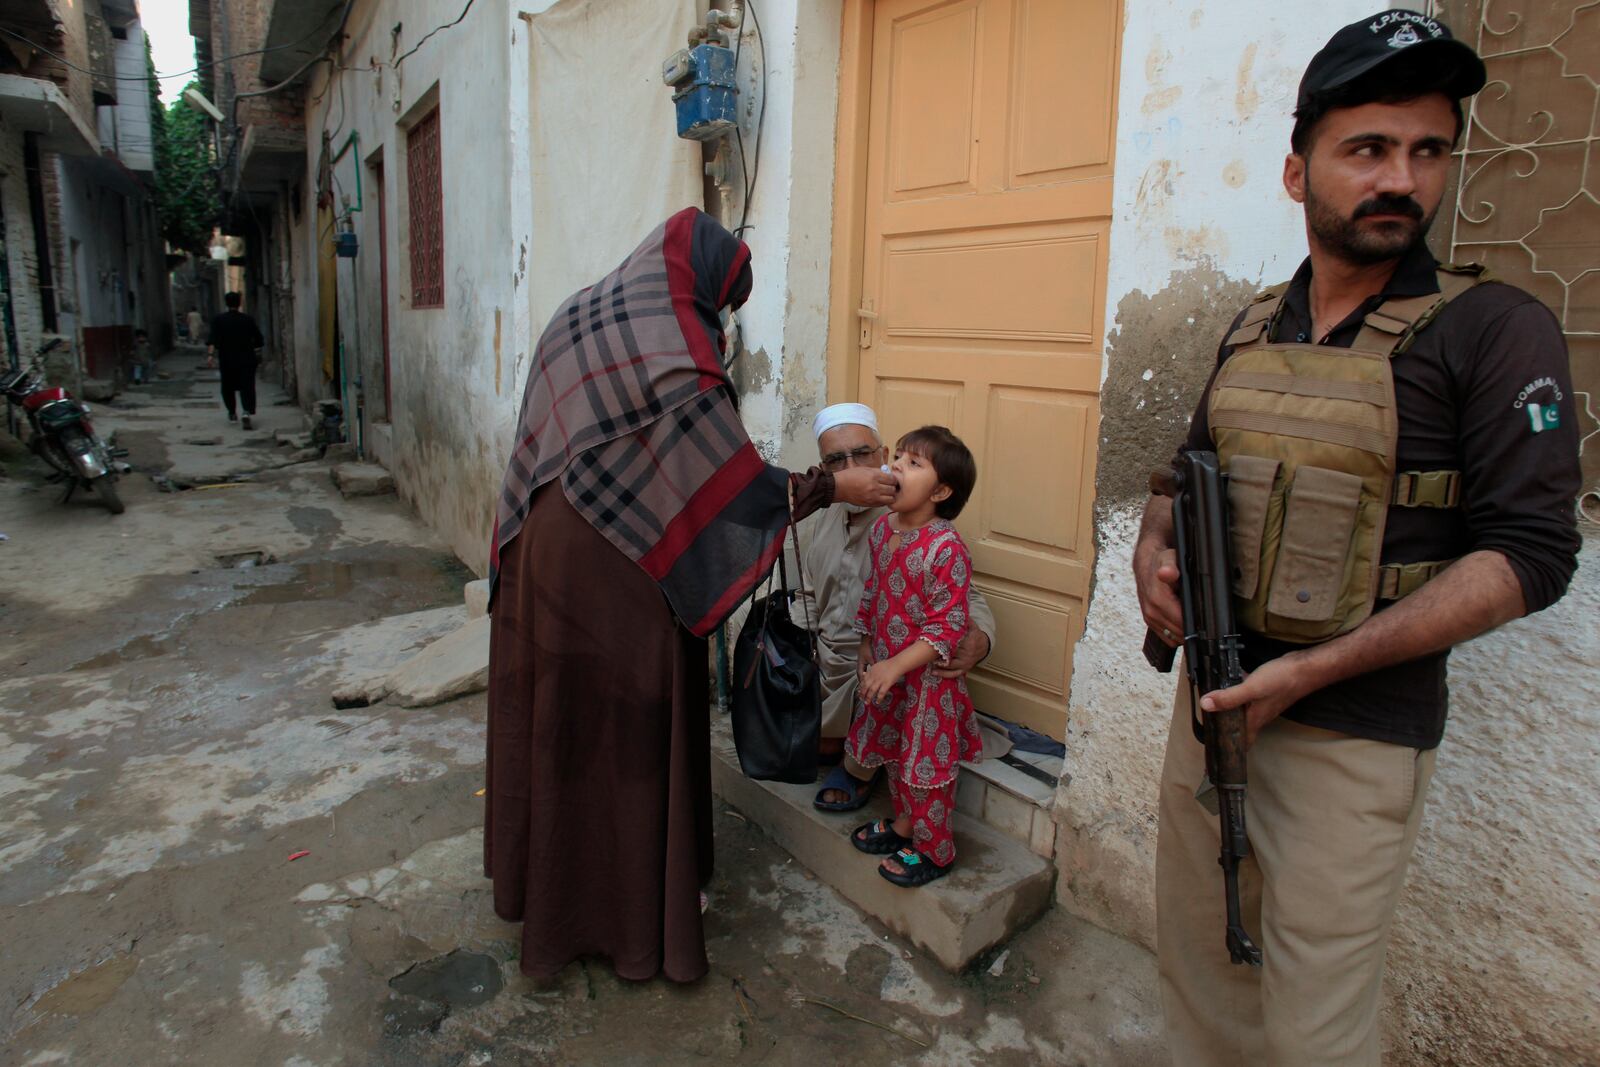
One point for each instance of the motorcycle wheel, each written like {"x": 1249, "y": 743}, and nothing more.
{"x": 105, "y": 487}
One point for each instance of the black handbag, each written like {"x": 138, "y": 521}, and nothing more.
{"x": 777, "y": 688}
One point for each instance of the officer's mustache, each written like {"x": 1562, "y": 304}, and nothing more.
{"x": 1389, "y": 205}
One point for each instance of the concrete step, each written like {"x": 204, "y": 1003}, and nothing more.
{"x": 1011, "y": 800}
{"x": 998, "y": 886}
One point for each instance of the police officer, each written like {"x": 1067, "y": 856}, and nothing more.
{"x": 1401, "y": 447}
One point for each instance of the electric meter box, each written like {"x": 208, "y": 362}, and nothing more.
{"x": 705, "y": 92}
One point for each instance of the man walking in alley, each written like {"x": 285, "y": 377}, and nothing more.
{"x": 235, "y": 338}
{"x": 1400, "y": 442}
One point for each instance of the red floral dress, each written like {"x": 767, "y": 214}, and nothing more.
{"x": 917, "y": 592}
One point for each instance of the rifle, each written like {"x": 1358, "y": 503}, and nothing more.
{"x": 1211, "y": 658}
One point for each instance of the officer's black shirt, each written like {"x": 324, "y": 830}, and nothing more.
{"x": 1463, "y": 390}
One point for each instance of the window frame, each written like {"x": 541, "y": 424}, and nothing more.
{"x": 425, "y": 210}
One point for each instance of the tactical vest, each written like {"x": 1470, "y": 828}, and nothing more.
{"x": 1307, "y": 435}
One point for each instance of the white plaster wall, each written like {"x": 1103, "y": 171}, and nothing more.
{"x": 455, "y": 396}
{"x": 1497, "y": 941}
{"x": 443, "y": 359}
{"x": 134, "y": 144}
{"x": 783, "y": 375}
{"x": 100, "y": 219}
{"x": 785, "y": 322}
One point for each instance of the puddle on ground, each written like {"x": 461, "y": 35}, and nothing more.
{"x": 319, "y": 524}
{"x": 458, "y": 979}
{"x": 88, "y": 990}
{"x": 405, "y": 576}
{"x": 139, "y": 648}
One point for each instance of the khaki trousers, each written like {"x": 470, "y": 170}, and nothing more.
{"x": 1332, "y": 820}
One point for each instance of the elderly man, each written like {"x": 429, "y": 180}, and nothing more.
{"x": 834, "y": 551}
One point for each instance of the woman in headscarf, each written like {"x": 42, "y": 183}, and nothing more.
{"x": 635, "y": 515}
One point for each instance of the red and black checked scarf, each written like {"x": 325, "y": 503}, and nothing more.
{"x": 627, "y": 402}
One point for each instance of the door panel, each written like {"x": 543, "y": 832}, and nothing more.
{"x": 1065, "y": 52}
{"x": 933, "y": 99}
{"x": 987, "y": 212}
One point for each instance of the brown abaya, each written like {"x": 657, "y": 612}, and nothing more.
{"x": 598, "y": 820}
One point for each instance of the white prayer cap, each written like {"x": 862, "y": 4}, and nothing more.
{"x": 844, "y": 415}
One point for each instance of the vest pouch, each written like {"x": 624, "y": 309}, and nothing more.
{"x": 1321, "y": 510}
{"x": 1255, "y": 502}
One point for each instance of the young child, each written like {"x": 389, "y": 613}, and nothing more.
{"x": 143, "y": 361}
{"x": 912, "y": 615}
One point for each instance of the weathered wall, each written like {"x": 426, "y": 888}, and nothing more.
{"x": 97, "y": 219}
{"x": 1496, "y": 944}
{"x": 783, "y": 376}
{"x": 442, "y": 359}
{"x": 134, "y": 143}
{"x": 21, "y": 262}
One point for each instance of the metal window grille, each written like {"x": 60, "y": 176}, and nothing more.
{"x": 425, "y": 192}
{"x": 1528, "y": 183}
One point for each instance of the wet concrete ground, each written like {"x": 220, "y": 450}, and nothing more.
{"x": 167, "y": 743}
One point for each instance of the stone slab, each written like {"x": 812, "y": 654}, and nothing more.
{"x": 476, "y": 595}
{"x": 362, "y": 479}
{"x": 452, "y": 666}
{"x": 997, "y": 888}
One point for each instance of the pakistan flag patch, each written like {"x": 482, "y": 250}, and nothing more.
{"x": 1543, "y": 416}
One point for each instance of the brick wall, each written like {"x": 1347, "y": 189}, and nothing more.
{"x": 241, "y": 26}
{"x": 60, "y": 266}
{"x": 71, "y": 42}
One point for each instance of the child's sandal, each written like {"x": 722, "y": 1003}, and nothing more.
{"x": 919, "y": 869}
{"x": 878, "y": 838}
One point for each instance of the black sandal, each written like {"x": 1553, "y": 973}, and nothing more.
{"x": 919, "y": 869}
{"x": 845, "y": 782}
{"x": 878, "y": 838}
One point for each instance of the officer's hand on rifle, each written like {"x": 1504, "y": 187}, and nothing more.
{"x": 1266, "y": 692}
{"x": 1156, "y": 576}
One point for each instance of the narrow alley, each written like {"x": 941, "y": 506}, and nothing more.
{"x": 170, "y": 746}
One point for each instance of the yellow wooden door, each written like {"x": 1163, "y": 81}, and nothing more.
{"x": 987, "y": 211}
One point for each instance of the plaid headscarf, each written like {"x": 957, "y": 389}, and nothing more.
{"x": 627, "y": 401}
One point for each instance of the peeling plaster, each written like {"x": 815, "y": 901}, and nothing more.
{"x": 1159, "y": 354}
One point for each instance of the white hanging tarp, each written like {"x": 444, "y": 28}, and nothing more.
{"x": 608, "y": 165}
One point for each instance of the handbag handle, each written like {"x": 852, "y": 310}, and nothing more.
{"x": 800, "y": 566}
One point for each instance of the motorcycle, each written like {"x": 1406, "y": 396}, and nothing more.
{"x": 61, "y": 434}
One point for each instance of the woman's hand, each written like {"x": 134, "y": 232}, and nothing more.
{"x": 863, "y": 660}
{"x": 878, "y": 680}
{"x": 864, "y": 486}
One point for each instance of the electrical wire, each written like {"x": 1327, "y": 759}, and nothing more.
{"x": 307, "y": 65}
{"x": 751, "y": 170}
{"x": 196, "y": 69}
{"x": 431, "y": 32}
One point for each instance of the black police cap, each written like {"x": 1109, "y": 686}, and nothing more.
{"x": 1399, "y": 38}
